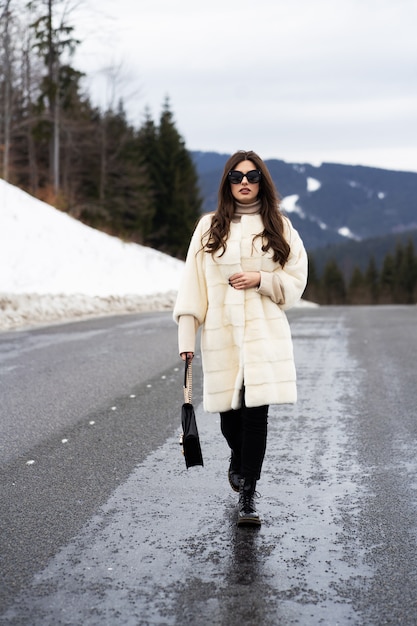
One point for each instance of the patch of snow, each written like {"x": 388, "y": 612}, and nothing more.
{"x": 299, "y": 168}
{"x": 346, "y": 232}
{"x": 289, "y": 204}
{"x": 313, "y": 184}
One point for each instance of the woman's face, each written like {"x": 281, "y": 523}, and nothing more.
{"x": 244, "y": 191}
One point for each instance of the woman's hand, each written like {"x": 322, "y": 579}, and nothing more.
{"x": 187, "y": 355}
{"x": 245, "y": 280}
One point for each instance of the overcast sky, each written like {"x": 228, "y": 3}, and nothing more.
{"x": 298, "y": 80}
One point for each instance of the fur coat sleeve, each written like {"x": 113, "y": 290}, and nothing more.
{"x": 292, "y": 278}
{"x": 192, "y": 294}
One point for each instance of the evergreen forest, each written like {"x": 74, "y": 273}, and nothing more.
{"x": 393, "y": 282}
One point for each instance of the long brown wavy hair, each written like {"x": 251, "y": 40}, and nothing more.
{"x": 273, "y": 234}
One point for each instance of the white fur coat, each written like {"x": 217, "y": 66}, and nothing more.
{"x": 245, "y": 336}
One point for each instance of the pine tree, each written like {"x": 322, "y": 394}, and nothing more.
{"x": 357, "y": 290}
{"x": 148, "y": 160}
{"x": 333, "y": 286}
{"x": 387, "y": 280}
{"x": 398, "y": 291}
{"x": 114, "y": 183}
{"x": 312, "y": 290}
{"x": 407, "y": 274}
{"x": 371, "y": 280}
{"x": 177, "y": 200}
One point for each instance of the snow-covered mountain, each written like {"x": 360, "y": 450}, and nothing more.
{"x": 330, "y": 203}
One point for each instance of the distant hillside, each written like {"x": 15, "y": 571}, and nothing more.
{"x": 332, "y": 203}
{"x": 358, "y": 253}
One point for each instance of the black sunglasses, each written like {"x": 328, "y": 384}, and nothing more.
{"x": 236, "y": 177}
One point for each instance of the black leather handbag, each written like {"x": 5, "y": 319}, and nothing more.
{"x": 190, "y": 438}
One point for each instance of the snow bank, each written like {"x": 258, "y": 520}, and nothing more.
{"x": 54, "y": 268}
{"x": 45, "y": 251}
{"x": 27, "y": 310}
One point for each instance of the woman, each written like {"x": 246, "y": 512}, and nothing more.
{"x": 245, "y": 265}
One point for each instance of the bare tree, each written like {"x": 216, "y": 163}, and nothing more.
{"x": 54, "y": 41}
{"x": 30, "y": 89}
{"x": 115, "y": 82}
{"x": 6, "y": 85}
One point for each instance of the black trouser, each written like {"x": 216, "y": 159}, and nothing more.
{"x": 245, "y": 430}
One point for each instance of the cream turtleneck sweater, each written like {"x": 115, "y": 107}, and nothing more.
{"x": 246, "y": 209}
{"x": 188, "y": 325}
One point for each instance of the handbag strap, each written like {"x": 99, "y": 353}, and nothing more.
{"x": 188, "y": 381}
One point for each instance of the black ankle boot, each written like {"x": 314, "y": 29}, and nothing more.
{"x": 247, "y": 510}
{"x": 234, "y": 473}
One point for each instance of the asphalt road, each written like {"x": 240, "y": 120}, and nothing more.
{"x": 102, "y": 524}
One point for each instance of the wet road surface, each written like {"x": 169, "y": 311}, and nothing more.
{"x": 110, "y": 528}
